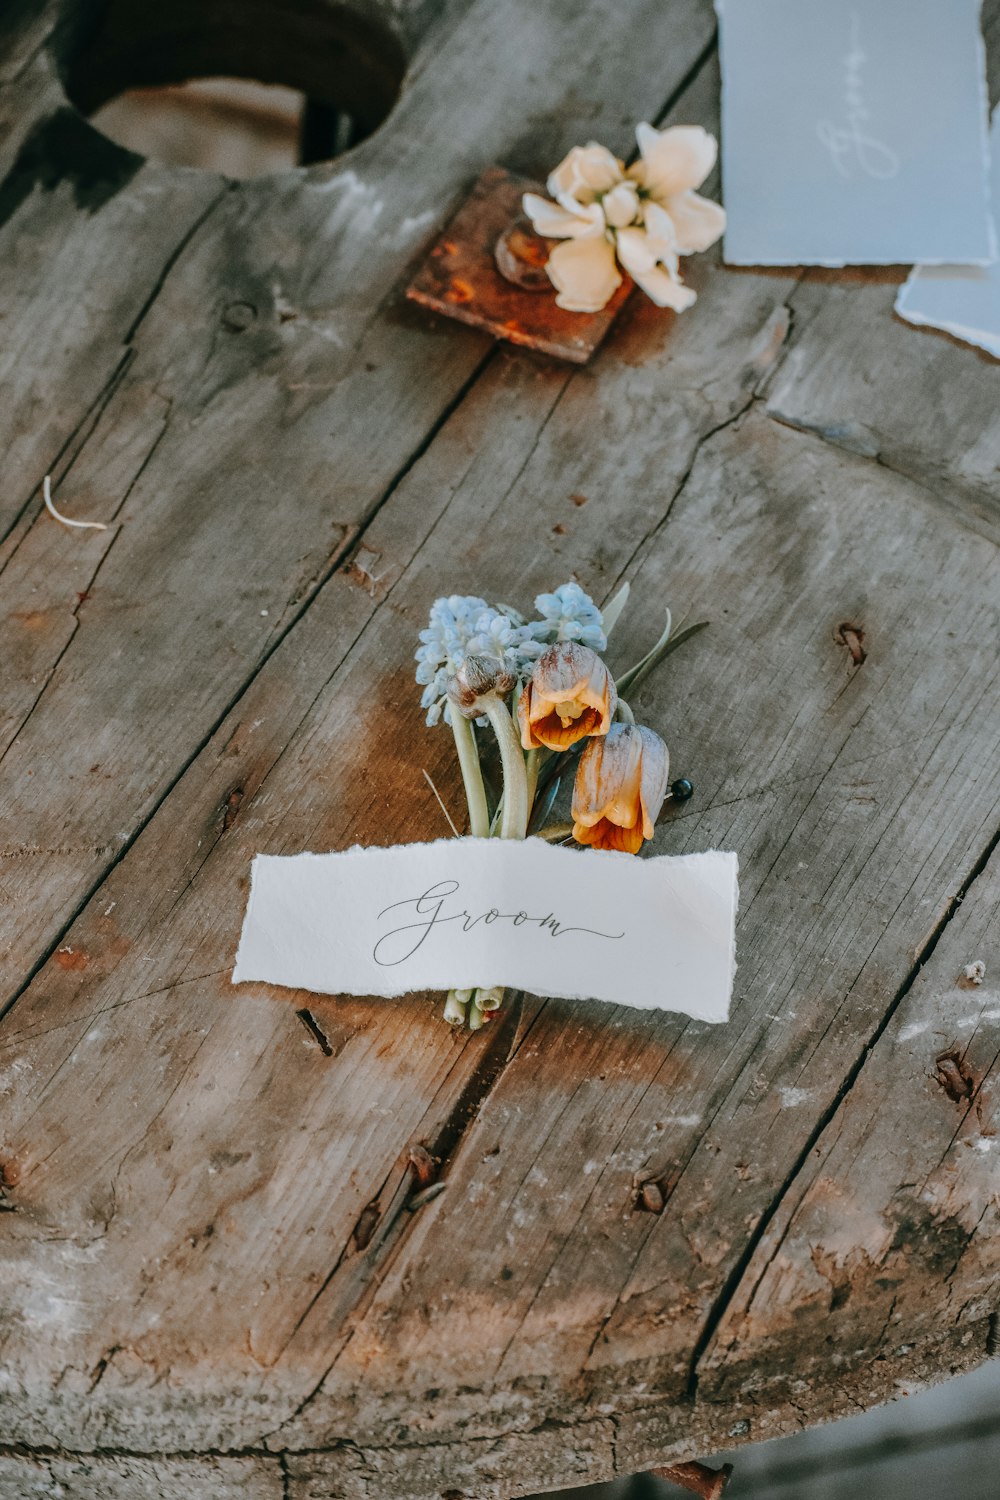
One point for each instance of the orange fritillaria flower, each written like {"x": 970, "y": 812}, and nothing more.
{"x": 570, "y": 695}
{"x": 621, "y": 782}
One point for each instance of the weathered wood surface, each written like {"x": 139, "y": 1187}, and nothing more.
{"x": 210, "y": 1273}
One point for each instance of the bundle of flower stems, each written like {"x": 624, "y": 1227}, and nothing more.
{"x": 544, "y": 691}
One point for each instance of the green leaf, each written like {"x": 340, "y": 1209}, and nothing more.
{"x": 629, "y": 681}
{"x": 611, "y": 612}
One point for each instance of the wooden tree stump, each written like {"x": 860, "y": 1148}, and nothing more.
{"x": 217, "y": 1277}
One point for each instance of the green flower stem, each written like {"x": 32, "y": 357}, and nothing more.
{"x": 534, "y": 761}
{"x": 475, "y": 1016}
{"x": 490, "y": 999}
{"x": 514, "y": 822}
{"x": 623, "y": 713}
{"x": 533, "y": 764}
{"x": 472, "y": 776}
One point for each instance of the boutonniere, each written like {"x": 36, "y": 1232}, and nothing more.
{"x": 541, "y": 690}
{"x": 642, "y": 218}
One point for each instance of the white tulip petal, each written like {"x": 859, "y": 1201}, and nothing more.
{"x": 675, "y": 159}
{"x": 698, "y": 222}
{"x": 665, "y": 290}
{"x": 555, "y": 222}
{"x": 584, "y": 273}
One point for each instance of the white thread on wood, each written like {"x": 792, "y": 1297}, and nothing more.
{"x": 50, "y": 507}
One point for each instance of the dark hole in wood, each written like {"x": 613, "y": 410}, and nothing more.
{"x": 316, "y": 1031}
{"x": 334, "y": 73}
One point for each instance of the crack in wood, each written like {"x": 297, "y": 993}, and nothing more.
{"x": 737, "y": 1274}
{"x": 501, "y": 1045}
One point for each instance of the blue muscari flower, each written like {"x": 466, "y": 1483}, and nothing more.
{"x": 463, "y": 625}
{"x": 569, "y": 614}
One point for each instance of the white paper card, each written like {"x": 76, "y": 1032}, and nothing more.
{"x": 854, "y": 132}
{"x": 963, "y": 300}
{"x": 652, "y": 933}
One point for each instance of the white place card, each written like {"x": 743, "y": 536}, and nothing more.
{"x": 962, "y": 300}
{"x": 854, "y": 132}
{"x": 652, "y": 933}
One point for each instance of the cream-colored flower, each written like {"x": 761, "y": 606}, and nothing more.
{"x": 590, "y": 193}
{"x": 672, "y": 164}
{"x": 644, "y": 219}
{"x": 676, "y": 220}
{"x": 620, "y": 785}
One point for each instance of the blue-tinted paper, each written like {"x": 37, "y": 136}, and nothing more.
{"x": 963, "y": 300}
{"x": 854, "y": 132}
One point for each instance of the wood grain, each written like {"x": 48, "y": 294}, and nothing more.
{"x": 211, "y": 1258}
{"x": 276, "y": 334}
{"x": 888, "y": 1203}
{"x": 51, "y": 1477}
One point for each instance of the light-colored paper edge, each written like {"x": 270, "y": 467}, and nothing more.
{"x": 691, "y": 855}
{"x": 246, "y": 923}
{"x": 978, "y": 337}
{"x": 988, "y": 344}
{"x": 834, "y": 263}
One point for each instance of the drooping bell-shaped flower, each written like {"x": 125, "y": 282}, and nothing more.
{"x": 620, "y": 785}
{"x": 570, "y": 695}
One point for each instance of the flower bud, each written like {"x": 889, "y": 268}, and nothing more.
{"x": 476, "y": 678}
{"x": 621, "y": 782}
{"x": 571, "y": 694}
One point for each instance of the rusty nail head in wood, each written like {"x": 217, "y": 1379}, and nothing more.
{"x": 651, "y": 1197}
{"x": 698, "y": 1478}
{"x": 521, "y": 255}
{"x": 853, "y": 637}
{"x": 422, "y": 1165}
{"x": 952, "y": 1073}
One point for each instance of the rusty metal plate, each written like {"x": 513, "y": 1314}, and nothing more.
{"x": 460, "y": 278}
